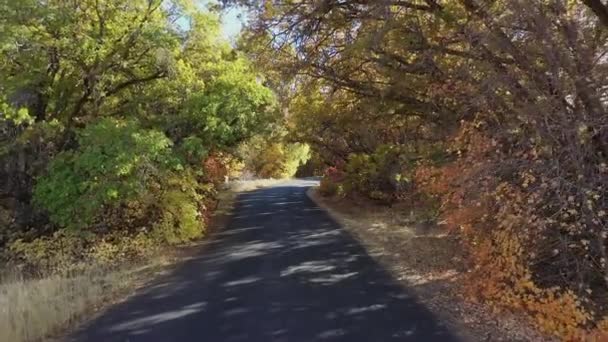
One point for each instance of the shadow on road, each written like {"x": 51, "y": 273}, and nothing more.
{"x": 281, "y": 271}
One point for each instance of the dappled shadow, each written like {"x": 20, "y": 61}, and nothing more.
{"x": 281, "y": 271}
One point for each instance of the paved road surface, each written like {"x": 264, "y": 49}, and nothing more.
{"x": 281, "y": 271}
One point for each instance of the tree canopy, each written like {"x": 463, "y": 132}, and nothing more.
{"x": 108, "y": 105}
{"x": 495, "y": 110}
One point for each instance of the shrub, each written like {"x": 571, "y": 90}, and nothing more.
{"x": 119, "y": 194}
{"x": 295, "y": 155}
{"x": 334, "y": 174}
{"x": 314, "y": 166}
{"x": 330, "y": 182}
{"x": 179, "y": 205}
{"x": 66, "y": 251}
{"x": 116, "y": 161}
{"x": 328, "y": 187}
{"x": 378, "y": 175}
{"x": 179, "y": 222}
{"x": 220, "y": 166}
{"x": 193, "y": 149}
{"x": 215, "y": 169}
{"x": 531, "y": 236}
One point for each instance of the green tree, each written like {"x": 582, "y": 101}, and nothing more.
{"x": 107, "y": 102}
{"x": 117, "y": 161}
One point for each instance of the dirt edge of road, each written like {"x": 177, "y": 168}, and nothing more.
{"x": 431, "y": 264}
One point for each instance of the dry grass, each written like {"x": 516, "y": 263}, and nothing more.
{"x": 36, "y": 309}
{"x": 405, "y": 231}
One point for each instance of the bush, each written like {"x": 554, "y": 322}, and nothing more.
{"x": 532, "y": 238}
{"x": 378, "y": 175}
{"x": 116, "y": 161}
{"x": 327, "y": 187}
{"x": 219, "y": 167}
{"x": 122, "y": 167}
{"x": 172, "y": 214}
{"x": 181, "y": 219}
{"x": 330, "y": 183}
{"x": 66, "y": 251}
{"x": 314, "y": 166}
{"x": 116, "y": 196}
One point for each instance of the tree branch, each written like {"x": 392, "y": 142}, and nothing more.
{"x": 599, "y": 9}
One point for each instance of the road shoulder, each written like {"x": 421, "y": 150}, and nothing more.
{"x": 430, "y": 263}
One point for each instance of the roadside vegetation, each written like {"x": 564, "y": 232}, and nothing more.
{"x": 36, "y": 307}
{"x": 490, "y": 117}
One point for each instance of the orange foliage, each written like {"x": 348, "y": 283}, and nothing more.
{"x": 507, "y": 222}
{"x": 214, "y": 168}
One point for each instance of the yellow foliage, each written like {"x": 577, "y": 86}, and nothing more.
{"x": 66, "y": 252}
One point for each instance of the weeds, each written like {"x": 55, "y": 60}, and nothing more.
{"x": 34, "y": 309}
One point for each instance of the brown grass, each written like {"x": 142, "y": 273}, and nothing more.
{"x": 35, "y": 309}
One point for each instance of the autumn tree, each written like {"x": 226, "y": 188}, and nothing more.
{"x": 505, "y": 100}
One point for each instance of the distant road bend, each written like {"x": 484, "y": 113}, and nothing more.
{"x": 282, "y": 270}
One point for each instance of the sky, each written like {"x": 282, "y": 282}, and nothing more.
{"x": 231, "y": 21}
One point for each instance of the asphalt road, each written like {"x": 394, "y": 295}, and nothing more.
{"x": 282, "y": 270}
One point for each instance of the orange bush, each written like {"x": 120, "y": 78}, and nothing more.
{"x": 214, "y": 168}
{"x": 523, "y": 230}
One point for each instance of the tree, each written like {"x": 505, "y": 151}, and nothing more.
{"x": 106, "y": 103}
{"x": 510, "y": 95}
